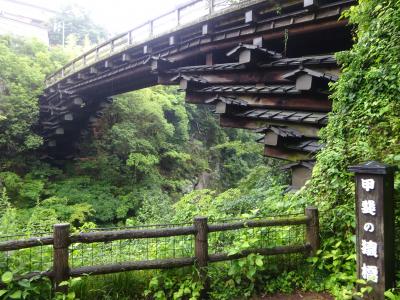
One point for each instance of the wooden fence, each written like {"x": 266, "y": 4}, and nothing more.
{"x": 62, "y": 240}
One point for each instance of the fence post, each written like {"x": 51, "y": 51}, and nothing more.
{"x": 60, "y": 256}
{"x": 312, "y": 229}
{"x": 201, "y": 252}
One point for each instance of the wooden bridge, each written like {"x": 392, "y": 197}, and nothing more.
{"x": 265, "y": 65}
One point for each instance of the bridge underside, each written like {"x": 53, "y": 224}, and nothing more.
{"x": 260, "y": 69}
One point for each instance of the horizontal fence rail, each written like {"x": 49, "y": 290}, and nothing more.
{"x": 192, "y": 12}
{"x": 108, "y": 236}
{"x": 69, "y": 255}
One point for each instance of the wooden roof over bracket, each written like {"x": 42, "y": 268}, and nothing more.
{"x": 302, "y": 61}
{"x": 301, "y": 172}
{"x": 307, "y": 79}
{"x": 252, "y": 89}
{"x": 286, "y": 116}
{"x": 286, "y": 154}
{"x": 158, "y": 63}
{"x": 209, "y": 68}
{"x": 309, "y": 164}
{"x": 315, "y": 60}
{"x": 226, "y": 100}
{"x": 189, "y": 78}
{"x": 282, "y": 131}
{"x": 301, "y": 70}
{"x": 247, "y": 53}
{"x": 310, "y": 146}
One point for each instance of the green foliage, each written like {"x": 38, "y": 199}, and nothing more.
{"x": 244, "y": 275}
{"x": 142, "y": 163}
{"x": 8, "y": 221}
{"x": 364, "y": 125}
{"x": 150, "y": 148}
{"x": 23, "y": 67}
{"x": 176, "y": 285}
{"x": 35, "y": 288}
{"x": 75, "y": 21}
{"x": 70, "y": 284}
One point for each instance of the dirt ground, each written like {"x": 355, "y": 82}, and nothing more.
{"x": 298, "y": 296}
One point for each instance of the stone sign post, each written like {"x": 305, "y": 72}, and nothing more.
{"x": 375, "y": 226}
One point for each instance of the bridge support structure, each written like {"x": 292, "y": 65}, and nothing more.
{"x": 259, "y": 67}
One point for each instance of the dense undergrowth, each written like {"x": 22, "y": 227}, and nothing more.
{"x": 364, "y": 125}
{"x": 149, "y": 151}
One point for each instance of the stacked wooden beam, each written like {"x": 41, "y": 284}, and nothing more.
{"x": 264, "y": 67}
{"x": 66, "y": 117}
{"x": 284, "y": 99}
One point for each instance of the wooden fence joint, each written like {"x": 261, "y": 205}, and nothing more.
{"x": 312, "y": 229}
{"x": 201, "y": 253}
{"x": 60, "y": 257}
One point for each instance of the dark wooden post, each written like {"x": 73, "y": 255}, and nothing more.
{"x": 375, "y": 226}
{"x": 201, "y": 252}
{"x": 60, "y": 256}
{"x": 312, "y": 229}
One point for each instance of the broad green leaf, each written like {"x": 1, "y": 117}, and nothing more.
{"x": 64, "y": 283}
{"x": 7, "y": 277}
{"x": 16, "y": 295}
{"x": 259, "y": 262}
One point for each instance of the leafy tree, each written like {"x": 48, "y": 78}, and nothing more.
{"x": 74, "y": 20}
{"x": 23, "y": 67}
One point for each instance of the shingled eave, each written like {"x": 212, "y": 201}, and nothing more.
{"x": 294, "y": 74}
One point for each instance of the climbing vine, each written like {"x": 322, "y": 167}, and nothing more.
{"x": 364, "y": 124}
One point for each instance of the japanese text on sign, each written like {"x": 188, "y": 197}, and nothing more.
{"x": 369, "y": 247}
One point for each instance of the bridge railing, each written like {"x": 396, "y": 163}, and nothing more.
{"x": 191, "y": 12}
{"x": 104, "y": 251}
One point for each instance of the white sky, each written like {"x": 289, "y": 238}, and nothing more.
{"x": 119, "y": 15}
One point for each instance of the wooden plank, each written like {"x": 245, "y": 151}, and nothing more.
{"x": 28, "y": 243}
{"x": 307, "y": 130}
{"x": 258, "y": 223}
{"x": 132, "y": 266}
{"x": 262, "y": 251}
{"x": 319, "y": 103}
{"x": 272, "y": 75}
{"x": 108, "y": 236}
{"x": 266, "y": 34}
{"x": 285, "y": 154}
{"x": 238, "y": 77}
{"x": 105, "y": 86}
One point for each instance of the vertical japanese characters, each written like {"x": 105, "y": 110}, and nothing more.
{"x": 369, "y": 247}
